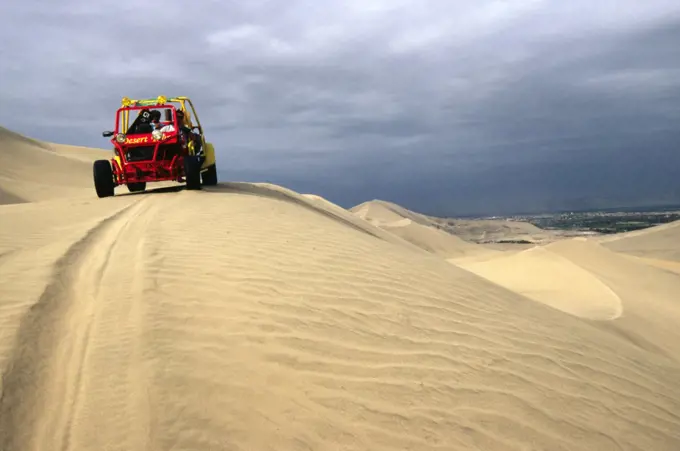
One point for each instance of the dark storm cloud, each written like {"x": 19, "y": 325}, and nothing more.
{"x": 444, "y": 106}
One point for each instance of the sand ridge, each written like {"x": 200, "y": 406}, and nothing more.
{"x": 554, "y": 273}
{"x": 659, "y": 242}
{"x": 649, "y": 294}
{"x": 435, "y": 240}
{"x": 382, "y": 213}
{"x": 638, "y": 295}
{"x": 31, "y": 170}
{"x": 420, "y": 231}
{"x": 548, "y": 277}
{"x": 379, "y": 211}
{"x": 247, "y": 316}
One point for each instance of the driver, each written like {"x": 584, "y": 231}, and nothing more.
{"x": 155, "y": 119}
{"x": 143, "y": 122}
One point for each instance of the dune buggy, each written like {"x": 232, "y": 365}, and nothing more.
{"x": 154, "y": 140}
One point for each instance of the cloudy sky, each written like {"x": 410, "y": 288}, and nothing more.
{"x": 447, "y": 107}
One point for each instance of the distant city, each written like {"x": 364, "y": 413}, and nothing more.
{"x": 604, "y": 221}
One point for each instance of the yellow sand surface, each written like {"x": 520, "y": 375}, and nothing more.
{"x": 622, "y": 280}
{"x": 32, "y": 170}
{"x": 659, "y": 242}
{"x": 250, "y": 317}
{"x": 545, "y": 276}
{"x": 491, "y": 232}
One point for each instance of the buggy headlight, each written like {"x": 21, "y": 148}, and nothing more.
{"x": 156, "y": 134}
{"x": 120, "y": 137}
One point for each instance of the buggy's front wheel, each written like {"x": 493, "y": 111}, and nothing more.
{"x": 103, "y": 178}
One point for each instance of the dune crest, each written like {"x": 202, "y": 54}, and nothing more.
{"x": 420, "y": 231}
{"x": 379, "y": 212}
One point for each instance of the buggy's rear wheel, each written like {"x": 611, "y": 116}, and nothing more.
{"x": 192, "y": 172}
{"x": 210, "y": 176}
{"x": 136, "y": 187}
{"x": 103, "y": 178}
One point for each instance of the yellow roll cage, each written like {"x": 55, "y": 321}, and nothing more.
{"x": 160, "y": 101}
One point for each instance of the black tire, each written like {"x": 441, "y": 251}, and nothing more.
{"x": 210, "y": 176}
{"x": 192, "y": 172}
{"x": 103, "y": 178}
{"x": 136, "y": 187}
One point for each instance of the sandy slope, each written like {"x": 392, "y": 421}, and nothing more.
{"x": 547, "y": 277}
{"x": 637, "y": 286}
{"x": 435, "y": 240}
{"x": 649, "y": 294}
{"x": 556, "y": 275}
{"x": 659, "y": 243}
{"x": 381, "y": 213}
{"x": 32, "y": 170}
{"x": 248, "y": 317}
{"x": 489, "y": 230}
{"x": 420, "y": 231}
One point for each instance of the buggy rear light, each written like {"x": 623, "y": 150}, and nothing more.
{"x": 120, "y": 137}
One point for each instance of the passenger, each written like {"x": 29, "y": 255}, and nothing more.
{"x": 169, "y": 127}
{"x": 186, "y": 131}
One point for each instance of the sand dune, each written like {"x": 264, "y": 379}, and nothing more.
{"x": 481, "y": 231}
{"x": 490, "y": 230}
{"x": 79, "y": 153}
{"x": 420, "y": 231}
{"x": 547, "y": 277}
{"x": 556, "y": 275}
{"x": 651, "y": 311}
{"x": 378, "y": 212}
{"x": 435, "y": 240}
{"x": 32, "y": 170}
{"x": 250, "y": 317}
{"x": 660, "y": 242}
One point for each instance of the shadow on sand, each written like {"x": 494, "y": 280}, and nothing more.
{"x": 151, "y": 191}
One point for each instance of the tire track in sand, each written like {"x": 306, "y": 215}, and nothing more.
{"x": 45, "y": 368}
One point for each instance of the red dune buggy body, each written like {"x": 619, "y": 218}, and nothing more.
{"x": 151, "y": 145}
